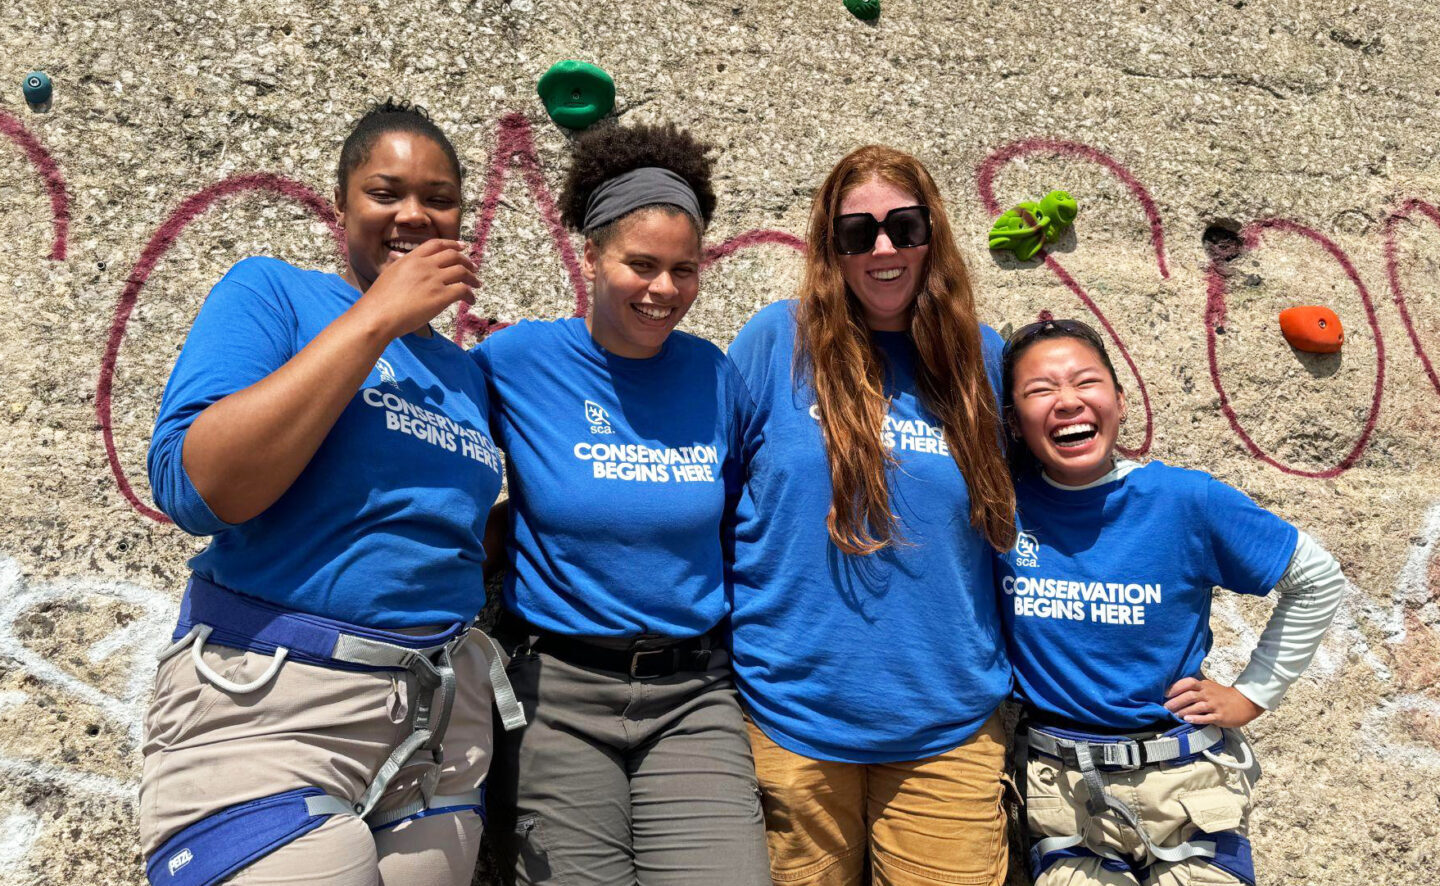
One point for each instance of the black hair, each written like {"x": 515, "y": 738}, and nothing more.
{"x": 601, "y": 154}
{"x": 1022, "y": 460}
{"x": 390, "y": 116}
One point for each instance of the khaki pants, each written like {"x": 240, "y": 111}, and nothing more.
{"x": 206, "y": 750}
{"x": 1172, "y": 802}
{"x": 936, "y": 820}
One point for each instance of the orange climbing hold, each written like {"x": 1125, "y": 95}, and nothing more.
{"x": 1312, "y": 328}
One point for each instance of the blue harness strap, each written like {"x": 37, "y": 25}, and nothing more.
{"x": 244, "y": 622}
{"x": 1041, "y": 862}
{"x": 1232, "y": 855}
{"x": 218, "y": 845}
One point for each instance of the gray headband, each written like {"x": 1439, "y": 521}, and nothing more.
{"x": 645, "y": 186}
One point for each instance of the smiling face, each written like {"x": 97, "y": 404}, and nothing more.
{"x": 643, "y": 280}
{"x": 885, "y": 279}
{"x": 405, "y": 192}
{"x": 1067, "y": 409}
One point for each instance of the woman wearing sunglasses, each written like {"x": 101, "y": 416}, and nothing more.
{"x": 866, "y": 637}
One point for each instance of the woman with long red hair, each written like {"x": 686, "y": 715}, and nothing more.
{"x": 867, "y": 643}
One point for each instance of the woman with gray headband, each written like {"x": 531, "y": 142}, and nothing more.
{"x": 620, "y": 434}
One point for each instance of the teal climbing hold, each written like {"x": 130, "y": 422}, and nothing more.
{"x": 36, "y": 87}
{"x": 576, "y": 93}
{"x": 865, "y": 10}
{"x": 1026, "y": 229}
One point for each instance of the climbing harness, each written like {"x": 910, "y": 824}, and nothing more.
{"x": 238, "y": 835}
{"x": 1094, "y": 754}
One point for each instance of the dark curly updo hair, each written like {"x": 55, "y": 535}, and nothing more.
{"x": 602, "y": 154}
{"x": 390, "y": 116}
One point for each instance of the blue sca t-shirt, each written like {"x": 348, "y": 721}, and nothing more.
{"x": 620, "y": 470}
{"x": 893, "y": 656}
{"x": 383, "y": 526}
{"x": 1106, "y": 594}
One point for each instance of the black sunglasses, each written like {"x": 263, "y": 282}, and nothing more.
{"x": 906, "y": 226}
{"x": 1022, "y": 336}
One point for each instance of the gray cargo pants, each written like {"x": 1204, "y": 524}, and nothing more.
{"x": 620, "y": 781}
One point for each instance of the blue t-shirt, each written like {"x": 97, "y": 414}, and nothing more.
{"x": 383, "y": 526}
{"x": 621, "y": 472}
{"x": 1106, "y": 594}
{"x": 893, "y": 656}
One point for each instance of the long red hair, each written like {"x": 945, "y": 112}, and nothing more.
{"x": 835, "y": 354}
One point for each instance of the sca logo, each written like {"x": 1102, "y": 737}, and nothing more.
{"x": 597, "y": 417}
{"x": 1027, "y": 549}
{"x": 387, "y": 372}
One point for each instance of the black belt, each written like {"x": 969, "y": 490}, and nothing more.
{"x": 643, "y": 659}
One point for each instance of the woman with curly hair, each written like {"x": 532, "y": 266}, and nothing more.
{"x": 323, "y": 715}
{"x": 621, "y": 438}
{"x": 866, "y": 638}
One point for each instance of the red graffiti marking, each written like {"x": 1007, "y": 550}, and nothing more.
{"x": 748, "y": 239}
{"x": 190, "y": 208}
{"x": 516, "y": 146}
{"x": 49, "y": 171}
{"x": 1215, "y": 314}
{"x": 1392, "y": 269}
{"x": 985, "y": 179}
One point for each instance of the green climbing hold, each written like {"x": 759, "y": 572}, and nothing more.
{"x": 576, "y": 93}
{"x": 1026, "y": 229}
{"x": 865, "y": 10}
{"x": 36, "y": 87}
{"x": 1060, "y": 207}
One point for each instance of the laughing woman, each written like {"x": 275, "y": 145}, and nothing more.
{"x": 866, "y": 636}
{"x": 620, "y": 436}
{"x": 324, "y": 713}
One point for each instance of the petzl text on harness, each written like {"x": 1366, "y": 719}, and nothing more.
{"x": 218, "y": 845}
{"x": 211, "y": 613}
{"x": 1090, "y": 754}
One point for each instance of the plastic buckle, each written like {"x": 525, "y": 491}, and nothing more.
{"x": 1122, "y": 754}
{"x": 635, "y": 658}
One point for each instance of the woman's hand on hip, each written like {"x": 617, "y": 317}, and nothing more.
{"x": 1205, "y": 702}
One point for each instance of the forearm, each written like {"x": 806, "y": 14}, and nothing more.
{"x": 243, "y": 451}
{"x": 1310, "y": 593}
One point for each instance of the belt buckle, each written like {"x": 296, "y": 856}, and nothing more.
{"x": 635, "y": 662}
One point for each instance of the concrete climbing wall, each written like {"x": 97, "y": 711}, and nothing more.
{"x": 1298, "y": 133}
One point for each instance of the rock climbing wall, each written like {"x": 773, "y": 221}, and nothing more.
{"x": 1230, "y": 159}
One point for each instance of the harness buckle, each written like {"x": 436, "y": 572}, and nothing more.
{"x": 1122, "y": 755}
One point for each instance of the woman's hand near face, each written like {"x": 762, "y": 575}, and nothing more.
{"x": 1205, "y": 702}
{"x": 414, "y": 290}
{"x": 245, "y": 450}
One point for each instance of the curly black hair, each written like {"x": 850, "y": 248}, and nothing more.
{"x": 390, "y": 116}
{"x": 602, "y": 154}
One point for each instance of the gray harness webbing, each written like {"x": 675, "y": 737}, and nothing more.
{"x": 1126, "y": 754}
{"x": 429, "y": 717}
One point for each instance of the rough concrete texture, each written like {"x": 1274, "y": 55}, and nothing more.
{"x": 1317, "y": 114}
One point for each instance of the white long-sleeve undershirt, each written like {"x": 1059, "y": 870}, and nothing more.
{"x": 1310, "y": 591}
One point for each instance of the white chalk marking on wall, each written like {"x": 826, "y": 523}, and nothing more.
{"x": 1346, "y": 641}
{"x": 92, "y": 783}
{"x": 147, "y": 633}
{"x": 21, "y": 828}
{"x": 1226, "y": 662}
{"x": 1376, "y": 728}
{"x": 12, "y": 698}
